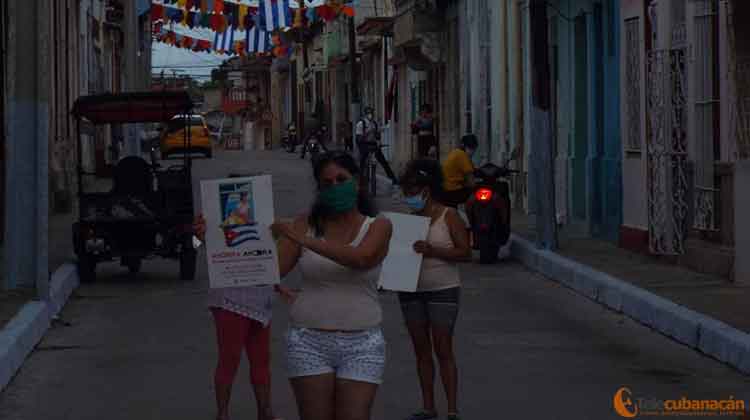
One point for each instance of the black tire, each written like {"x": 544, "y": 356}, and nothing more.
{"x": 86, "y": 268}
{"x": 133, "y": 264}
{"x": 488, "y": 251}
{"x": 188, "y": 260}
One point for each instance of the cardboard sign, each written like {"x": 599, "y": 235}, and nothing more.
{"x": 239, "y": 244}
{"x": 403, "y": 265}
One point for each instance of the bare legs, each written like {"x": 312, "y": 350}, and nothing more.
{"x": 323, "y": 397}
{"x": 440, "y": 340}
{"x": 235, "y": 332}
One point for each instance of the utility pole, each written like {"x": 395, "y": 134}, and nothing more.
{"x": 542, "y": 141}
{"x": 354, "y": 82}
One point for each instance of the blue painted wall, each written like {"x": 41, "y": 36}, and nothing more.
{"x": 605, "y": 151}
{"x": 588, "y": 38}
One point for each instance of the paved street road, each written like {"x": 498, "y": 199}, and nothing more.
{"x": 528, "y": 348}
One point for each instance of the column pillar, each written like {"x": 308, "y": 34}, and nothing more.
{"x": 27, "y": 190}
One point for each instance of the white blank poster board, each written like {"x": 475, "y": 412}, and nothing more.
{"x": 402, "y": 266}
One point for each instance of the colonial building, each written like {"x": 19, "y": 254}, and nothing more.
{"x": 54, "y": 52}
{"x": 683, "y": 131}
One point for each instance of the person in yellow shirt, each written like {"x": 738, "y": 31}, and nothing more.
{"x": 458, "y": 172}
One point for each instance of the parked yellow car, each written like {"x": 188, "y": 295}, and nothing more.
{"x": 173, "y": 137}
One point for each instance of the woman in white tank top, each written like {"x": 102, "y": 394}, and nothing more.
{"x": 334, "y": 343}
{"x": 430, "y": 312}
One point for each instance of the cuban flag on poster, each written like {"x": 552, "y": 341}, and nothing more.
{"x": 236, "y": 235}
{"x": 275, "y": 14}
{"x": 257, "y": 40}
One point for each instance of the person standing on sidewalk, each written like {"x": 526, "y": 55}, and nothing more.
{"x": 424, "y": 129}
{"x": 367, "y": 135}
{"x": 430, "y": 313}
{"x": 335, "y": 347}
{"x": 242, "y": 317}
{"x": 458, "y": 172}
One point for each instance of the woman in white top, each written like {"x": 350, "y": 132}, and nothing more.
{"x": 335, "y": 348}
{"x": 430, "y": 312}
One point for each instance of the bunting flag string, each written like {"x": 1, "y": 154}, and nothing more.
{"x": 275, "y": 14}
{"x": 269, "y": 14}
{"x": 257, "y": 43}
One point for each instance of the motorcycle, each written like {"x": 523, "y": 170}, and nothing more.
{"x": 313, "y": 147}
{"x": 489, "y": 210}
{"x": 290, "y": 141}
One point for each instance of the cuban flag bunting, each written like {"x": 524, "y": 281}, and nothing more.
{"x": 239, "y": 234}
{"x": 275, "y": 14}
{"x": 257, "y": 41}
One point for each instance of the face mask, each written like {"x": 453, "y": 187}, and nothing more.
{"x": 339, "y": 198}
{"x": 370, "y": 116}
{"x": 416, "y": 203}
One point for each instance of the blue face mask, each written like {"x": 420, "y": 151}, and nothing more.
{"x": 416, "y": 203}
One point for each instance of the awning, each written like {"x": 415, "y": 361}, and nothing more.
{"x": 380, "y": 26}
{"x": 136, "y": 107}
{"x": 375, "y": 44}
{"x": 412, "y": 56}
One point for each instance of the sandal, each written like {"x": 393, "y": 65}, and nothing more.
{"x": 422, "y": 415}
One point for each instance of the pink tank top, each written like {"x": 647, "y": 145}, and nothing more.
{"x": 439, "y": 274}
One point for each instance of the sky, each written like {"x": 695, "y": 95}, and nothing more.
{"x": 186, "y": 62}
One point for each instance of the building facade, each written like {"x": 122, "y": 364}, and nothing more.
{"x": 682, "y": 131}
{"x": 54, "y": 52}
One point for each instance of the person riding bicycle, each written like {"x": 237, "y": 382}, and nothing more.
{"x": 367, "y": 135}
{"x": 321, "y": 134}
{"x": 458, "y": 172}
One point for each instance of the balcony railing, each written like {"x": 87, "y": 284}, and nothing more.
{"x": 235, "y": 100}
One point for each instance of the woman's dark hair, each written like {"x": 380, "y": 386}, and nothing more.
{"x": 319, "y": 212}
{"x": 424, "y": 173}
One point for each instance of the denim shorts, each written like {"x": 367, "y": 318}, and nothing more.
{"x": 355, "y": 356}
{"x": 437, "y": 308}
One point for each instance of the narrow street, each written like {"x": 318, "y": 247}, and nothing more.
{"x": 144, "y": 347}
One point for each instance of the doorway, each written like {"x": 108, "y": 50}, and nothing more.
{"x": 580, "y": 123}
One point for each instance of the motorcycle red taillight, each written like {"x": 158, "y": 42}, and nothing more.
{"x": 483, "y": 194}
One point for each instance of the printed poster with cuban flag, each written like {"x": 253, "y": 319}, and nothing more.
{"x": 240, "y": 248}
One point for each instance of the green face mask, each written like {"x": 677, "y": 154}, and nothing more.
{"x": 339, "y": 198}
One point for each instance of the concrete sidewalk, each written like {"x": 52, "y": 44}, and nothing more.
{"x": 702, "y": 311}
{"x": 24, "y": 318}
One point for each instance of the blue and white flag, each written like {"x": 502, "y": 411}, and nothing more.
{"x": 275, "y": 14}
{"x": 257, "y": 41}
{"x": 238, "y": 234}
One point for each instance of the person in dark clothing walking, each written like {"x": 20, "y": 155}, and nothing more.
{"x": 424, "y": 129}
{"x": 367, "y": 135}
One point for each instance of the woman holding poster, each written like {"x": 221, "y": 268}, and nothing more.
{"x": 242, "y": 317}
{"x": 430, "y": 312}
{"x": 336, "y": 349}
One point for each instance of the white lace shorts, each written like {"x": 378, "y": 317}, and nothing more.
{"x": 358, "y": 356}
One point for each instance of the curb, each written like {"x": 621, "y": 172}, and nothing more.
{"x": 26, "y": 329}
{"x": 703, "y": 333}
